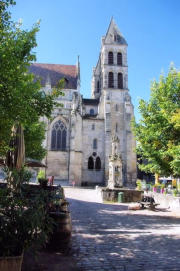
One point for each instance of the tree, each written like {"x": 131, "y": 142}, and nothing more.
{"x": 158, "y": 132}
{"x": 21, "y": 100}
{"x": 34, "y": 135}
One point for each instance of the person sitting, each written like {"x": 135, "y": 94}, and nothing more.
{"x": 147, "y": 197}
{"x": 51, "y": 180}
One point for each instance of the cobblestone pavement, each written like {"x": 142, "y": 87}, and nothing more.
{"x": 110, "y": 237}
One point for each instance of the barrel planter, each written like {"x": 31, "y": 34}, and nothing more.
{"x": 64, "y": 206}
{"x": 11, "y": 263}
{"x": 62, "y": 229}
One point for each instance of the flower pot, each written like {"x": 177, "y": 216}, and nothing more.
{"x": 11, "y": 263}
{"x": 43, "y": 182}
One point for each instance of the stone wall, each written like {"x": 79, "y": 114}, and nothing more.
{"x": 129, "y": 195}
{"x": 57, "y": 164}
{"x": 88, "y": 135}
{"x": 92, "y": 177}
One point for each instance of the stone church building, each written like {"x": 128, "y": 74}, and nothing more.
{"x": 79, "y": 135}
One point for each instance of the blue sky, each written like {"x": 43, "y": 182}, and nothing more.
{"x": 75, "y": 27}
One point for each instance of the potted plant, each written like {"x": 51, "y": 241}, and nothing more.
{"x": 139, "y": 184}
{"x": 42, "y": 179}
{"x": 24, "y": 221}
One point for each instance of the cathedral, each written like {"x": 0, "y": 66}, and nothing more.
{"x": 79, "y": 134}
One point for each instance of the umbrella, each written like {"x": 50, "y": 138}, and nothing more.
{"x": 15, "y": 157}
{"x": 34, "y": 163}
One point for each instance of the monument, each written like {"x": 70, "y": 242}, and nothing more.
{"x": 115, "y": 165}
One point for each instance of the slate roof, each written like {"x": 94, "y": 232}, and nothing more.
{"x": 90, "y": 101}
{"x": 55, "y": 72}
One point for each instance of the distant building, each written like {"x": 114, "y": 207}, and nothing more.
{"x": 79, "y": 136}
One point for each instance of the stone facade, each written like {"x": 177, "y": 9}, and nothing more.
{"x": 79, "y": 136}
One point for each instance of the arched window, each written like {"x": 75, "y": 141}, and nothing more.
{"x": 95, "y": 143}
{"x": 110, "y": 80}
{"x": 116, "y": 107}
{"x": 98, "y": 86}
{"x": 116, "y": 128}
{"x": 98, "y": 163}
{"x": 120, "y": 80}
{"x": 110, "y": 58}
{"x": 58, "y": 136}
{"x": 91, "y": 111}
{"x": 119, "y": 59}
{"x": 90, "y": 163}
{"x": 93, "y": 126}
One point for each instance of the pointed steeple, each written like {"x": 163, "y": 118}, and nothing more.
{"x": 78, "y": 74}
{"x": 114, "y": 35}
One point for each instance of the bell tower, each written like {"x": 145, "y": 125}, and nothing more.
{"x": 111, "y": 74}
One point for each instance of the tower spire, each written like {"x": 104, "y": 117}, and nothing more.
{"x": 78, "y": 73}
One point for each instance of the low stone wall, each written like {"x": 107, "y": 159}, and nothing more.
{"x": 130, "y": 195}
{"x": 167, "y": 201}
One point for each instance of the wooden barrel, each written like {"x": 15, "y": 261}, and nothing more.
{"x": 62, "y": 228}
{"x": 11, "y": 263}
{"x": 64, "y": 206}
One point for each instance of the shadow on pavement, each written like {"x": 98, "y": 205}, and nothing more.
{"x": 138, "y": 241}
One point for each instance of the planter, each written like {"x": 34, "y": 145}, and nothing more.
{"x": 62, "y": 229}
{"x": 11, "y": 263}
{"x": 43, "y": 182}
{"x": 64, "y": 206}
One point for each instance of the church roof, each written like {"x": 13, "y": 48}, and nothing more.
{"x": 113, "y": 30}
{"x": 54, "y": 72}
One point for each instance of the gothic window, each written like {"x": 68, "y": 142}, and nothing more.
{"x": 98, "y": 163}
{"x": 93, "y": 126}
{"x": 116, "y": 107}
{"x": 110, "y": 58}
{"x": 110, "y": 80}
{"x": 116, "y": 128}
{"x": 94, "y": 143}
{"x": 98, "y": 86}
{"x": 58, "y": 136}
{"x": 91, "y": 111}
{"x": 119, "y": 59}
{"x": 107, "y": 97}
{"x": 90, "y": 163}
{"x": 120, "y": 80}
{"x": 128, "y": 116}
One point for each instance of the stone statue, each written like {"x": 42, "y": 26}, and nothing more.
{"x": 75, "y": 103}
{"x": 115, "y": 165}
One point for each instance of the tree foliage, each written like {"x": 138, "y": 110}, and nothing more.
{"x": 158, "y": 132}
{"x": 34, "y": 135}
{"x": 21, "y": 100}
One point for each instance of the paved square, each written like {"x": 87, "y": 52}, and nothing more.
{"x": 110, "y": 237}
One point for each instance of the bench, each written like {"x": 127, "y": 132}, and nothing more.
{"x": 149, "y": 205}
